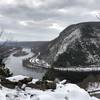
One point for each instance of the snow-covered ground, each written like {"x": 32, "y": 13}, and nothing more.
{"x": 36, "y": 61}
{"x": 16, "y": 78}
{"x": 62, "y": 92}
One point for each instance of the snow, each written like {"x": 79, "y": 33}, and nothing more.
{"x": 17, "y": 78}
{"x": 72, "y": 92}
{"x": 62, "y": 82}
{"x": 62, "y": 92}
{"x": 27, "y": 50}
{"x": 67, "y": 92}
{"x": 34, "y": 80}
{"x": 69, "y": 39}
{"x": 37, "y": 62}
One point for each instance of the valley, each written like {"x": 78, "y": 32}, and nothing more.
{"x": 67, "y": 57}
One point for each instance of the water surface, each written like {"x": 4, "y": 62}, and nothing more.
{"x": 16, "y": 67}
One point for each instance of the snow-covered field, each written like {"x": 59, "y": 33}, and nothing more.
{"x": 62, "y": 92}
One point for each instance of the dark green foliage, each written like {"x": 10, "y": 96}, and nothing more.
{"x": 87, "y": 31}
{"x": 72, "y": 58}
{"x": 43, "y": 85}
{"x": 75, "y": 56}
{"x": 9, "y": 84}
{"x": 92, "y": 47}
{"x": 20, "y": 53}
{"x": 4, "y": 72}
{"x": 50, "y": 74}
{"x": 62, "y": 60}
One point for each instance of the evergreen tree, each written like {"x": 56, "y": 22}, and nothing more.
{"x": 4, "y": 72}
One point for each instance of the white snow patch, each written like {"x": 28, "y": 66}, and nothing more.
{"x": 17, "y": 78}
{"x": 27, "y": 50}
{"x": 69, "y": 39}
{"x": 62, "y": 92}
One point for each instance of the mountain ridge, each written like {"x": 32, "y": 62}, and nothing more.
{"x": 76, "y": 45}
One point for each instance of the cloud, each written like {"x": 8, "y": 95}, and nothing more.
{"x": 56, "y": 26}
{"x": 44, "y": 19}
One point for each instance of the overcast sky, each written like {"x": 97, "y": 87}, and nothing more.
{"x": 37, "y": 20}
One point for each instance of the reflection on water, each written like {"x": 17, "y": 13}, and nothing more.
{"x": 15, "y": 66}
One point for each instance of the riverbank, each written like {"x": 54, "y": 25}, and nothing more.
{"x": 15, "y": 65}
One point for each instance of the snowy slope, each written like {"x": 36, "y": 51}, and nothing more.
{"x": 62, "y": 92}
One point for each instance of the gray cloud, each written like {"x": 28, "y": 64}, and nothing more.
{"x": 44, "y": 19}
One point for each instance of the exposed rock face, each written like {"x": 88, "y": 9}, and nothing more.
{"x": 12, "y": 84}
{"x": 77, "y": 45}
{"x": 27, "y": 82}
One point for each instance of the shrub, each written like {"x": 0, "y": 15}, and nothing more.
{"x": 4, "y": 72}
{"x": 50, "y": 74}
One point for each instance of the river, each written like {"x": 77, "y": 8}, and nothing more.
{"x": 16, "y": 67}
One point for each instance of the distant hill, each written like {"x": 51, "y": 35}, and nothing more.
{"x": 26, "y": 44}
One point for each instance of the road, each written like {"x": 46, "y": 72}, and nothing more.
{"x": 97, "y": 95}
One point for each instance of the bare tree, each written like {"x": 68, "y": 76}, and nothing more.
{"x": 98, "y": 16}
{"x": 3, "y": 53}
{"x": 2, "y": 44}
